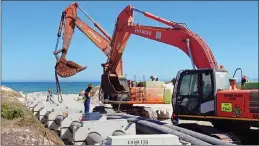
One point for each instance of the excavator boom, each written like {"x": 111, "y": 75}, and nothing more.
{"x": 69, "y": 21}
{"x": 176, "y": 35}
{"x": 95, "y": 37}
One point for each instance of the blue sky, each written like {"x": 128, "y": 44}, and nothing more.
{"x": 29, "y": 36}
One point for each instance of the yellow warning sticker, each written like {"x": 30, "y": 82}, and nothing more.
{"x": 226, "y": 107}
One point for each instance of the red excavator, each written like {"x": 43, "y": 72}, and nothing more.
{"x": 201, "y": 93}
{"x": 64, "y": 68}
{"x": 69, "y": 21}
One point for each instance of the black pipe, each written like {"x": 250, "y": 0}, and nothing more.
{"x": 198, "y": 135}
{"x": 203, "y": 137}
{"x": 146, "y": 126}
{"x": 166, "y": 130}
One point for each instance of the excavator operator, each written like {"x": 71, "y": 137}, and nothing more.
{"x": 87, "y": 98}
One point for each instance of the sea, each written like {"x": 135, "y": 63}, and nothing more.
{"x": 66, "y": 87}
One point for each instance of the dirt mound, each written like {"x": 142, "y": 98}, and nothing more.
{"x": 20, "y": 126}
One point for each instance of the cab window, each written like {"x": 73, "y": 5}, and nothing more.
{"x": 189, "y": 85}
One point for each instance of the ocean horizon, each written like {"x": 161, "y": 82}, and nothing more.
{"x": 66, "y": 87}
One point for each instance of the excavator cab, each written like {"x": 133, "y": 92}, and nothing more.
{"x": 195, "y": 91}
{"x": 205, "y": 94}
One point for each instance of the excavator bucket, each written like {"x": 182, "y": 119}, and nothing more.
{"x": 68, "y": 68}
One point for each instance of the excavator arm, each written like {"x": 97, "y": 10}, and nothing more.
{"x": 176, "y": 35}
{"x": 69, "y": 21}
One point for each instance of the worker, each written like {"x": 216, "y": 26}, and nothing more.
{"x": 87, "y": 98}
{"x": 49, "y": 94}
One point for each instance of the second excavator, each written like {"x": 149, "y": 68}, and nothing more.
{"x": 204, "y": 92}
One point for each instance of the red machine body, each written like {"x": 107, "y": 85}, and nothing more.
{"x": 238, "y": 104}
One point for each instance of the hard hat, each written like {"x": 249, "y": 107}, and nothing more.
{"x": 90, "y": 85}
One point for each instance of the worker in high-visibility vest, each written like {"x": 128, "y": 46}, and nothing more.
{"x": 87, "y": 98}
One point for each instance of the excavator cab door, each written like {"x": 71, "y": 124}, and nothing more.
{"x": 190, "y": 93}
